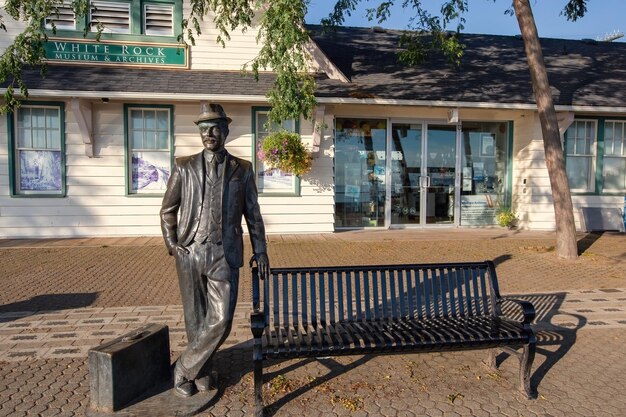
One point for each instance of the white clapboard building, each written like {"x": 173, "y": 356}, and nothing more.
{"x": 90, "y": 151}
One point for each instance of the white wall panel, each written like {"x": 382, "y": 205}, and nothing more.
{"x": 97, "y": 205}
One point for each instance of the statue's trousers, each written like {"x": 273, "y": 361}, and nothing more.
{"x": 208, "y": 288}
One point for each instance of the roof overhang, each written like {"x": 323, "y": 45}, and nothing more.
{"x": 466, "y": 104}
{"x": 230, "y": 98}
{"x": 38, "y": 93}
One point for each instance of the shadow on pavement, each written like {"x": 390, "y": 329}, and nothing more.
{"x": 50, "y": 302}
{"x": 231, "y": 371}
{"x": 548, "y": 335}
{"x": 587, "y": 241}
{"x": 499, "y": 260}
{"x": 553, "y": 343}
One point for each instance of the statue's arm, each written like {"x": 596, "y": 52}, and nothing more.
{"x": 252, "y": 214}
{"x": 256, "y": 227}
{"x": 169, "y": 210}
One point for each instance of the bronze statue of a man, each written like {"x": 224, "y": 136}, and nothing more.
{"x": 206, "y": 197}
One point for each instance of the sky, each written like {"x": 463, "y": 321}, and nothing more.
{"x": 487, "y": 16}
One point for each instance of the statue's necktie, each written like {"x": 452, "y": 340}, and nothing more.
{"x": 213, "y": 169}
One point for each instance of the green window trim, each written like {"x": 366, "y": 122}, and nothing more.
{"x": 12, "y": 147}
{"x": 136, "y": 29}
{"x": 130, "y": 191}
{"x": 297, "y": 181}
{"x": 598, "y": 157}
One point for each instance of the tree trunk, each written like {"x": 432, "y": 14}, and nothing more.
{"x": 563, "y": 209}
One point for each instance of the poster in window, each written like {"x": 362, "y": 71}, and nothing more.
{"x": 273, "y": 179}
{"x": 150, "y": 171}
{"x": 478, "y": 210}
{"x": 40, "y": 170}
{"x": 467, "y": 179}
{"x": 487, "y": 145}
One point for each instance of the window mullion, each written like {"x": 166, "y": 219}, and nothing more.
{"x": 136, "y": 16}
{"x": 599, "y": 156}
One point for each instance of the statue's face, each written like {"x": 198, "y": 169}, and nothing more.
{"x": 213, "y": 134}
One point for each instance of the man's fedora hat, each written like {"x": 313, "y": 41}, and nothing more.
{"x": 212, "y": 111}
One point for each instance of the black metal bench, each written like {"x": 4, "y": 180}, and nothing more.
{"x": 329, "y": 311}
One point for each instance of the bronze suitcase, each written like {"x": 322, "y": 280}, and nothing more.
{"x": 125, "y": 368}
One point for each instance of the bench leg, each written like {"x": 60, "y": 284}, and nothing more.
{"x": 258, "y": 388}
{"x": 526, "y": 363}
{"x": 491, "y": 359}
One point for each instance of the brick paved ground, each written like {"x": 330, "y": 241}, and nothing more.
{"x": 61, "y": 297}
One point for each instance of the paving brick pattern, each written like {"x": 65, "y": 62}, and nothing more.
{"x": 61, "y": 297}
{"x": 70, "y": 333}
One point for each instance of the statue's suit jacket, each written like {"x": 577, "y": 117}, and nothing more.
{"x": 182, "y": 206}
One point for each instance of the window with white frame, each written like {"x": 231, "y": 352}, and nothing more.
{"x": 580, "y": 148}
{"x": 38, "y": 150}
{"x": 63, "y": 18}
{"x": 149, "y": 138}
{"x": 272, "y": 181}
{"x": 614, "y": 158}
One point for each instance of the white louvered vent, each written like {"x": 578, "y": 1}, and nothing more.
{"x": 113, "y": 16}
{"x": 64, "y": 19}
{"x": 158, "y": 19}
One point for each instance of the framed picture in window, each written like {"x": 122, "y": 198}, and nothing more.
{"x": 40, "y": 170}
{"x": 487, "y": 145}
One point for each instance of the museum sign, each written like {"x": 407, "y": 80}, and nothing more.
{"x": 117, "y": 53}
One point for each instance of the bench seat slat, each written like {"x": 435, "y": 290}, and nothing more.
{"x": 357, "y": 337}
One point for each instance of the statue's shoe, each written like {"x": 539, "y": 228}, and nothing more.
{"x": 185, "y": 388}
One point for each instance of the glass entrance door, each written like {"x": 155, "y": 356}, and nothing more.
{"x": 423, "y": 173}
{"x": 438, "y": 183}
{"x": 406, "y": 173}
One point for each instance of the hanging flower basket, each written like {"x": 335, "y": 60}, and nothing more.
{"x": 285, "y": 151}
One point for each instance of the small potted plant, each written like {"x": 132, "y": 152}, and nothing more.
{"x": 506, "y": 218}
{"x": 285, "y": 151}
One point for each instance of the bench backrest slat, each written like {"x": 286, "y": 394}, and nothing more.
{"x": 319, "y": 296}
{"x": 409, "y": 291}
{"x": 366, "y": 310}
{"x": 311, "y": 276}
{"x": 427, "y": 292}
{"x": 349, "y": 295}
{"x": 357, "y": 292}
{"x": 458, "y": 288}
{"x": 476, "y": 291}
{"x": 331, "y": 301}
{"x": 340, "y": 294}
{"x": 451, "y": 284}
{"x": 483, "y": 292}
{"x": 285, "y": 294}
{"x": 417, "y": 281}
{"x": 322, "y": 289}
{"x": 443, "y": 289}
{"x": 393, "y": 297}
{"x": 464, "y": 290}
{"x": 304, "y": 299}
{"x": 294, "y": 300}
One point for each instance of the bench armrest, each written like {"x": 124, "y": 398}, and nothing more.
{"x": 527, "y": 309}
{"x": 257, "y": 323}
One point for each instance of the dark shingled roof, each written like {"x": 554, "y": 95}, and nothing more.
{"x": 145, "y": 80}
{"x": 493, "y": 69}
